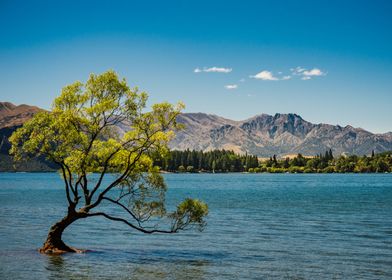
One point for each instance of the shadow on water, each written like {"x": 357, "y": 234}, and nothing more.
{"x": 124, "y": 265}
{"x": 55, "y": 263}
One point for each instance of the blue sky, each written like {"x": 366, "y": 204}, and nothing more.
{"x": 328, "y": 61}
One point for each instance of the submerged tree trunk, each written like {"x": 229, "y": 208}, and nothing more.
{"x": 54, "y": 243}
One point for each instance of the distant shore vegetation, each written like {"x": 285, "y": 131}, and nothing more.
{"x": 222, "y": 161}
{"x": 225, "y": 161}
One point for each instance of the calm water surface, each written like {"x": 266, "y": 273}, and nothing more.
{"x": 261, "y": 226}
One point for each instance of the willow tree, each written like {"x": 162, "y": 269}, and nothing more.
{"x": 100, "y": 136}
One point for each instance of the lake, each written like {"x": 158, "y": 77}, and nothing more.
{"x": 260, "y": 226}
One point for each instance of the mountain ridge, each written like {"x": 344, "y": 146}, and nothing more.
{"x": 280, "y": 134}
{"x": 14, "y": 115}
{"x": 262, "y": 135}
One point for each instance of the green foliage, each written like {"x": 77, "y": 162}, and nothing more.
{"x": 190, "y": 169}
{"x": 190, "y": 211}
{"x": 228, "y": 161}
{"x": 298, "y": 169}
{"x": 81, "y": 135}
{"x": 212, "y": 161}
{"x": 327, "y": 163}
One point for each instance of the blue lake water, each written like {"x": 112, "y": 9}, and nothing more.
{"x": 261, "y": 226}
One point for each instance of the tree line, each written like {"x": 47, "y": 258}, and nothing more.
{"x": 211, "y": 161}
{"x": 228, "y": 161}
{"x": 327, "y": 163}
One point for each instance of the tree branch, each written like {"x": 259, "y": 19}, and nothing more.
{"x": 70, "y": 180}
{"x": 66, "y": 186}
{"x": 115, "y": 183}
{"x": 130, "y": 224}
{"x": 123, "y": 207}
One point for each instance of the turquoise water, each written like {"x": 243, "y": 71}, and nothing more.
{"x": 261, "y": 226}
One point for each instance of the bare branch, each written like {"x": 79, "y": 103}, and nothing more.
{"x": 70, "y": 180}
{"x": 102, "y": 173}
{"x": 130, "y": 224}
{"x": 116, "y": 182}
{"x": 123, "y": 207}
{"x": 66, "y": 186}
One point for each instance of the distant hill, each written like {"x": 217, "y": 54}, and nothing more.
{"x": 12, "y": 115}
{"x": 11, "y": 118}
{"x": 281, "y": 134}
{"x": 262, "y": 135}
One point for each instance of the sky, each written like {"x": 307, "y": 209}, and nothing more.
{"x": 328, "y": 61}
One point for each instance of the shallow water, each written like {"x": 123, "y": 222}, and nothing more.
{"x": 261, "y": 226}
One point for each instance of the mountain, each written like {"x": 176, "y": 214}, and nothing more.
{"x": 262, "y": 135}
{"x": 11, "y": 118}
{"x": 12, "y": 115}
{"x": 281, "y": 134}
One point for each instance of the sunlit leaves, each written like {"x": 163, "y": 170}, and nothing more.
{"x": 190, "y": 212}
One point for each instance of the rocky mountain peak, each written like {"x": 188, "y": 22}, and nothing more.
{"x": 280, "y": 134}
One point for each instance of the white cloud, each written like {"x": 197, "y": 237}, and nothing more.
{"x": 213, "y": 69}
{"x": 269, "y": 76}
{"x": 242, "y": 80}
{"x": 265, "y": 76}
{"x": 307, "y": 74}
{"x": 313, "y": 72}
{"x": 218, "y": 69}
{"x": 231, "y": 86}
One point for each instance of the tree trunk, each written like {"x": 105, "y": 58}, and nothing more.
{"x": 54, "y": 243}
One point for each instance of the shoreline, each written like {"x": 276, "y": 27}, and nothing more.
{"x": 206, "y": 172}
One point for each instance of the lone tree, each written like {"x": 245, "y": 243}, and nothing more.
{"x": 99, "y": 162}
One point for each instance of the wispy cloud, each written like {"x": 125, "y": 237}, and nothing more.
{"x": 297, "y": 70}
{"x": 265, "y": 76}
{"x": 313, "y": 72}
{"x": 231, "y": 86}
{"x": 307, "y": 74}
{"x": 213, "y": 69}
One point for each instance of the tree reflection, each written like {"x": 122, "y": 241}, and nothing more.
{"x": 93, "y": 266}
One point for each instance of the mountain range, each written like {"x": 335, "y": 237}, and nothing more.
{"x": 281, "y": 134}
{"x": 262, "y": 135}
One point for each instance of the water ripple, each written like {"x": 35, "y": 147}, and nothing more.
{"x": 262, "y": 226}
